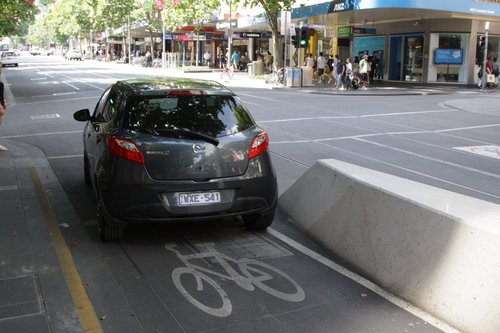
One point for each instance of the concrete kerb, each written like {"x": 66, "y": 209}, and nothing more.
{"x": 434, "y": 248}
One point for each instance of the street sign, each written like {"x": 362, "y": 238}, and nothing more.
{"x": 250, "y": 34}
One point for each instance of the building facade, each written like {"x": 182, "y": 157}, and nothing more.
{"x": 409, "y": 40}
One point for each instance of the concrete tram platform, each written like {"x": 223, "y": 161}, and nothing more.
{"x": 431, "y": 247}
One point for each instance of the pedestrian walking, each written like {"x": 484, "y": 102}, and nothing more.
{"x": 269, "y": 62}
{"x": 236, "y": 59}
{"x": 495, "y": 70}
{"x": 207, "y": 56}
{"x": 363, "y": 71}
{"x": 347, "y": 74}
{"x": 3, "y": 106}
{"x": 321, "y": 66}
{"x": 340, "y": 74}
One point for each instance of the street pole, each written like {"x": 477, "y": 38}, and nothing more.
{"x": 163, "y": 54}
{"x": 230, "y": 37}
{"x": 129, "y": 42}
{"x": 91, "y": 45}
{"x": 485, "y": 58}
{"x": 299, "y": 58}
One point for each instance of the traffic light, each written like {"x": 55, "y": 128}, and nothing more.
{"x": 295, "y": 39}
{"x": 304, "y": 37}
{"x": 481, "y": 40}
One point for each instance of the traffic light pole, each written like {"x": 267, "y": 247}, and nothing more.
{"x": 300, "y": 57}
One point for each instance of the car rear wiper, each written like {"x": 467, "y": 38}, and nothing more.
{"x": 188, "y": 133}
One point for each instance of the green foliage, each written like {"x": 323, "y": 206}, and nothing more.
{"x": 15, "y": 16}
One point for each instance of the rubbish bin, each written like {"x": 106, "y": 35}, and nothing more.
{"x": 293, "y": 76}
{"x": 250, "y": 70}
{"x": 258, "y": 68}
{"x": 307, "y": 76}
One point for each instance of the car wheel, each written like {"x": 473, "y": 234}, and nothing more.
{"x": 86, "y": 172}
{"x": 106, "y": 231}
{"x": 258, "y": 221}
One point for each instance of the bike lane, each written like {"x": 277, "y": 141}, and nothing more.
{"x": 222, "y": 278}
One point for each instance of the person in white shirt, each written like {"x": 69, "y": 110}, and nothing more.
{"x": 321, "y": 66}
{"x": 363, "y": 70}
{"x": 310, "y": 61}
{"x": 207, "y": 56}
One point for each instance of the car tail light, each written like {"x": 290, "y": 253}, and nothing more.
{"x": 259, "y": 145}
{"x": 186, "y": 92}
{"x": 125, "y": 149}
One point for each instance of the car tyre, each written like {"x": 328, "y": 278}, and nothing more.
{"x": 258, "y": 221}
{"x": 107, "y": 232}
{"x": 86, "y": 172}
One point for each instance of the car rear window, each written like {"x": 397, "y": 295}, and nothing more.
{"x": 8, "y": 54}
{"x": 213, "y": 115}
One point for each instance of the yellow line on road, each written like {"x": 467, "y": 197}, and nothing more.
{"x": 86, "y": 314}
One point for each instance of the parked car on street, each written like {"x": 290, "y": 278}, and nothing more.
{"x": 173, "y": 149}
{"x": 35, "y": 50}
{"x": 73, "y": 55}
{"x": 9, "y": 58}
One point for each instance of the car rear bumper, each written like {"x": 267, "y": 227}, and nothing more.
{"x": 157, "y": 201}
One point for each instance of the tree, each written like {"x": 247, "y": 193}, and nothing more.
{"x": 273, "y": 9}
{"x": 16, "y": 15}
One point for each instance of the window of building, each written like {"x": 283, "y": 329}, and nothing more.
{"x": 448, "y": 57}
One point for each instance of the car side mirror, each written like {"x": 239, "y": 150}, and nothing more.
{"x": 82, "y": 115}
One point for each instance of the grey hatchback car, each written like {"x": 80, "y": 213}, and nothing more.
{"x": 173, "y": 149}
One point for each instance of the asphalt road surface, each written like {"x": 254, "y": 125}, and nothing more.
{"x": 219, "y": 277}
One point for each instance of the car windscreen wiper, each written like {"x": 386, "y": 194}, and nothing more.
{"x": 188, "y": 133}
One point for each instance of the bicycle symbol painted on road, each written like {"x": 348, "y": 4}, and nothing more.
{"x": 251, "y": 274}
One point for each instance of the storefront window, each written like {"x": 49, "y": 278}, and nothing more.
{"x": 448, "y": 57}
{"x": 406, "y": 57}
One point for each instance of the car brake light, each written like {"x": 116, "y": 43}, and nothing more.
{"x": 125, "y": 149}
{"x": 259, "y": 145}
{"x": 186, "y": 92}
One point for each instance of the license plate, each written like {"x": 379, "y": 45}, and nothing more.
{"x": 198, "y": 198}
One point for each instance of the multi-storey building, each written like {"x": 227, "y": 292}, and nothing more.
{"x": 410, "y": 40}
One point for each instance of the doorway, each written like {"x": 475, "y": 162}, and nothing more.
{"x": 406, "y": 57}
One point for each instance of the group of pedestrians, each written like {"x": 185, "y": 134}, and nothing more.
{"x": 492, "y": 72}
{"x": 349, "y": 74}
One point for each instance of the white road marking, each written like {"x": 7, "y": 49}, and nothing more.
{"x": 429, "y": 158}
{"x": 306, "y": 118}
{"x": 492, "y": 151}
{"x": 38, "y": 78}
{"x": 72, "y": 86}
{"x": 8, "y": 188}
{"x": 64, "y": 93}
{"x": 64, "y": 157}
{"x": 59, "y": 100}
{"x": 465, "y": 128}
{"x": 46, "y": 116}
{"x": 364, "y": 282}
{"x": 360, "y": 116}
{"x": 39, "y": 134}
{"x": 408, "y": 113}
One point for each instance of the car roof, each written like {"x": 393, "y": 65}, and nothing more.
{"x": 164, "y": 85}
